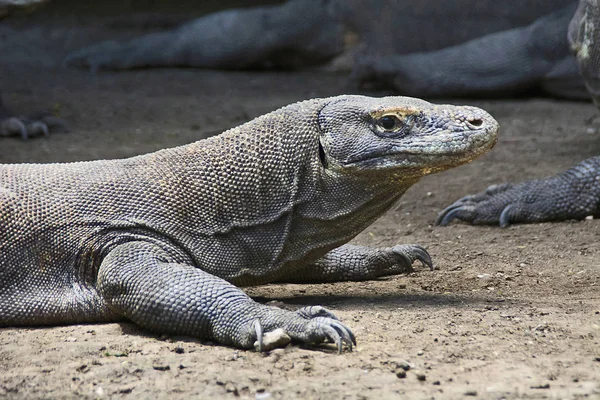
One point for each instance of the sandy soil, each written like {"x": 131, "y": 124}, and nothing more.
{"x": 509, "y": 313}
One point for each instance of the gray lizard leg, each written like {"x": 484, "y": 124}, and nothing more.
{"x": 572, "y": 194}
{"x": 503, "y": 62}
{"x": 296, "y": 33}
{"x": 146, "y": 285}
{"x": 360, "y": 263}
{"x": 30, "y": 126}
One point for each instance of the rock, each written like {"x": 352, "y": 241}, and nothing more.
{"x": 541, "y": 386}
{"x": 274, "y": 339}
{"x": 420, "y": 376}
{"x": 401, "y": 373}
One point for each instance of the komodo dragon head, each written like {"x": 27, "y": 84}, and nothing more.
{"x": 410, "y": 136}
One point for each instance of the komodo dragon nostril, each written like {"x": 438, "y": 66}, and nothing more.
{"x": 476, "y": 122}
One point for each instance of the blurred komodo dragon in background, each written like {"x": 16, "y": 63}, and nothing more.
{"x": 572, "y": 194}
{"x": 456, "y": 48}
{"x": 162, "y": 238}
{"x": 18, "y": 125}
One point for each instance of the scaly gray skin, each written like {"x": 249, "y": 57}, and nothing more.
{"x": 573, "y": 194}
{"x": 162, "y": 239}
{"x": 374, "y": 41}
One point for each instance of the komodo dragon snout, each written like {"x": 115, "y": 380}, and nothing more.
{"x": 403, "y": 133}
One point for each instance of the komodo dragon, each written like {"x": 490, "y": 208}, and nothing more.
{"x": 420, "y": 48}
{"x": 161, "y": 239}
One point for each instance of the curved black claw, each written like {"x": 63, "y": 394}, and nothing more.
{"x": 27, "y": 127}
{"x": 409, "y": 253}
{"x": 322, "y": 329}
{"x": 259, "y": 335}
{"x": 465, "y": 208}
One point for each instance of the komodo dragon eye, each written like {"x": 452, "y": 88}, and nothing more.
{"x": 389, "y": 122}
{"x": 391, "y": 125}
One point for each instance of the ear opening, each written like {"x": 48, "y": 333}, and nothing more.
{"x": 322, "y": 156}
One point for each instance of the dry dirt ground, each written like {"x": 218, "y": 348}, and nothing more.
{"x": 509, "y": 313}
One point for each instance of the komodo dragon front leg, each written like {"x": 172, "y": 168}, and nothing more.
{"x": 360, "y": 263}
{"x": 572, "y": 194}
{"x": 150, "y": 287}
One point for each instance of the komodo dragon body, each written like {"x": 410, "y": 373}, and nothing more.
{"x": 161, "y": 239}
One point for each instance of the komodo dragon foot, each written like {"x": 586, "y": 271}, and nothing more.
{"x": 323, "y": 326}
{"x": 29, "y": 126}
{"x": 572, "y": 194}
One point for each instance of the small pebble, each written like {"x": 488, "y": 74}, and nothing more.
{"x": 401, "y": 373}
{"x": 542, "y": 386}
{"x": 403, "y": 364}
{"x": 420, "y": 352}
{"x": 420, "y": 376}
{"x": 471, "y": 393}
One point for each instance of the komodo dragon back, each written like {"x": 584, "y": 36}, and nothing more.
{"x": 161, "y": 239}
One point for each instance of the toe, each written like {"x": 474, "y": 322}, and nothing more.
{"x": 316, "y": 311}
{"x": 411, "y": 253}
{"x": 461, "y": 212}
